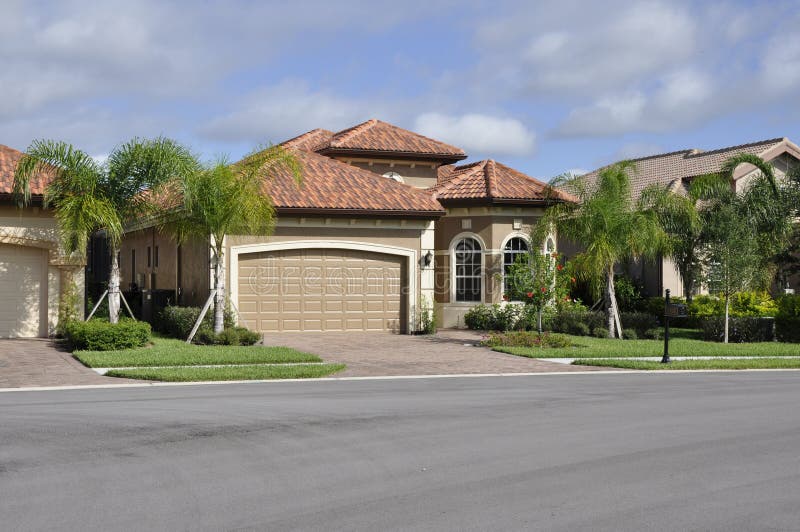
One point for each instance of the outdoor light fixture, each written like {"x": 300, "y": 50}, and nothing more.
{"x": 427, "y": 259}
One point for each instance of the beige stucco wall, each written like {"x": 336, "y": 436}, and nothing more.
{"x": 492, "y": 226}
{"x": 36, "y": 227}
{"x": 420, "y": 174}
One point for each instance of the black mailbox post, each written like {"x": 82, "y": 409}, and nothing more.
{"x": 671, "y": 310}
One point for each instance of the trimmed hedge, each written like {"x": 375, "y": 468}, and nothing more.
{"x": 787, "y": 319}
{"x": 230, "y": 336}
{"x": 740, "y": 329}
{"x": 177, "y": 322}
{"x": 578, "y": 323}
{"x": 493, "y": 317}
{"x": 641, "y": 322}
{"x": 100, "y": 335}
{"x": 527, "y": 339}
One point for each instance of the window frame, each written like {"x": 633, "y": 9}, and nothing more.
{"x": 506, "y": 242}
{"x": 480, "y": 249}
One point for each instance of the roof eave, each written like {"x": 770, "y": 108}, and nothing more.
{"x": 360, "y": 213}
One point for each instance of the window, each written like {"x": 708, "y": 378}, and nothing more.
{"x": 515, "y": 248}
{"x": 468, "y": 274}
{"x": 156, "y": 258}
{"x": 133, "y": 266}
{"x": 148, "y": 256}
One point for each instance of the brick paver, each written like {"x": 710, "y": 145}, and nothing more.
{"x": 448, "y": 352}
{"x": 41, "y": 362}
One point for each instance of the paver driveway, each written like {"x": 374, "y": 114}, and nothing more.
{"x": 40, "y": 362}
{"x": 450, "y": 351}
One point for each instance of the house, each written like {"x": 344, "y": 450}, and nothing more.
{"x": 676, "y": 169}
{"x": 385, "y": 225}
{"x": 33, "y": 270}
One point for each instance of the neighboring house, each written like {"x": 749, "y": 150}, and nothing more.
{"x": 676, "y": 169}
{"x": 382, "y": 228}
{"x": 33, "y": 271}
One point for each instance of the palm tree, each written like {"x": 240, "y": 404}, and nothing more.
{"x": 224, "y": 199}
{"x": 87, "y": 195}
{"x": 680, "y": 214}
{"x": 609, "y": 226}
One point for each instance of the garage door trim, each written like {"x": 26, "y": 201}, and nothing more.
{"x": 409, "y": 254}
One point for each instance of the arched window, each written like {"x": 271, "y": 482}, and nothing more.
{"x": 468, "y": 273}
{"x": 515, "y": 248}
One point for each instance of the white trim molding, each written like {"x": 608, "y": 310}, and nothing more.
{"x": 410, "y": 255}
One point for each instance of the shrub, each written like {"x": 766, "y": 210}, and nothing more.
{"x": 740, "y": 329}
{"x": 654, "y": 334}
{"x": 230, "y": 336}
{"x": 629, "y": 334}
{"x": 755, "y": 304}
{"x": 580, "y": 323}
{"x": 177, "y": 322}
{"x": 628, "y": 293}
{"x": 527, "y": 339}
{"x": 100, "y": 335}
{"x": 494, "y": 318}
{"x": 640, "y": 322}
{"x": 787, "y": 319}
{"x": 600, "y": 332}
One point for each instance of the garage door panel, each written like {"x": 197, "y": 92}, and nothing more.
{"x": 328, "y": 289}
{"x": 23, "y": 291}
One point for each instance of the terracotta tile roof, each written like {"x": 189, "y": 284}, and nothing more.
{"x": 9, "y": 157}
{"x": 313, "y": 140}
{"x": 377, "y": 136}
{"x": 331, "y": 185}
{"x": 667, "y": 168}
{"x": 490, "y": 180}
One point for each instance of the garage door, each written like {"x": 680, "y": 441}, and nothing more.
{"x": 23, "y": 290}
{"x": 321, "y": 290}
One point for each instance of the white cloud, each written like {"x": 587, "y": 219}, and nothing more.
{"x": 781, "y": 63}
{"x": 280, "y": 112}
{"x": 479, "y": 133}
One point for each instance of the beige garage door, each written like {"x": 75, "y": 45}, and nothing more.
{"x": 321, "y": 290}
{"x": 23, "y": 291}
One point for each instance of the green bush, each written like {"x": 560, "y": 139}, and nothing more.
{"x": 177, "y": 322}
{"x": 740, "y": 329}
{"x": 600, "y": 332}
{"x": 100, "y": 335}
{"x": 229, "y": 336}
{"x": 628, "y": 292}
{"x": 787, "y": 319}
{"x": 494, "y": 317}
{"x": 640, "y": 322}
{"x": 654, "y": 334}
{"x": 579, "y": 323}
{"x": 752, "y": 304}
{"x": 629, "y": 334}
{"x": 527, "y": 339}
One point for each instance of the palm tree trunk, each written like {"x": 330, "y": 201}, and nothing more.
{"x": 614, "y": 320}
{"x": 727, "y": 315}
{"x": 609, "y": 292}
{"x": 219, "y": 298}
{"x": 113, "y": 287}
{"x": 688, "y": 287}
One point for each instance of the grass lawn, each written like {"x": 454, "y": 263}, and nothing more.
{"x": 170, "y": 352}
{"x": 725, "y": 363}
{"x": 230, "y": 373}
{"x": 683, "y": 343}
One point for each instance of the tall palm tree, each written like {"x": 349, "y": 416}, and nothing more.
{"x": 224, "y": 199}
{"x": 681, "y": 216}
{"x": 87, "y": 195}
{"x": 609, "y": 226}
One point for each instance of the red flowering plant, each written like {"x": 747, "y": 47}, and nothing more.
{"x": 539, "y": 279}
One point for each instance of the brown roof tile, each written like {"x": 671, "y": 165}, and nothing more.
{"x": 490, "y": 180}
{"x": 331, "y": 185}
{"x": 381, "y": 137}
{"x": 667, "y": 168}
{"x": 9, "y": 158}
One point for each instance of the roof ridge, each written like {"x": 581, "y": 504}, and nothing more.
{"x": 739, "y": 146}
{"x": 354, "y": 130}
{"x": 491, "y": 178}
{"x": 455, "y": 179}
{"x": 292, "y": 142}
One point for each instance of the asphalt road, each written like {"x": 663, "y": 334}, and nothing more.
{"x": 710, "y": 451}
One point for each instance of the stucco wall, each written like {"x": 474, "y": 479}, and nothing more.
{"x": 420, "y": 174}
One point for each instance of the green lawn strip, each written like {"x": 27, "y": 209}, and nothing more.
{"x": 229, "y": 373}
{"x": 170, "y": 352}
{"x": 722, "y": 363}
{"x": 587, "y": 347}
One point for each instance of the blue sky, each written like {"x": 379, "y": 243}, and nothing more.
{"x": 545, "y": 86}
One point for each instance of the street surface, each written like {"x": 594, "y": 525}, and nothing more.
{"x": 702, "y": 451}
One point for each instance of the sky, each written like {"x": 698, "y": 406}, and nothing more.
{"x": 546, "y": 87}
